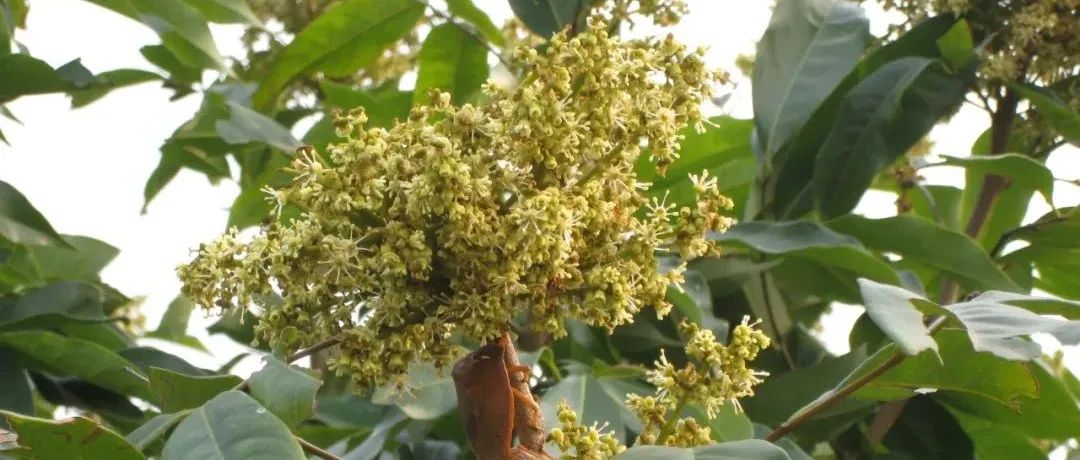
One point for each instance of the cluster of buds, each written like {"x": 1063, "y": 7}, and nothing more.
{"x": 580, "y": 442}
{"x": 459, "y": 219}
{"x": 715, "y": 375}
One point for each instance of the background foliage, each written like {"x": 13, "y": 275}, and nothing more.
{"x": 836, "y": 112}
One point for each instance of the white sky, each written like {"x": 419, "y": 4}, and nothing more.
{"x": 85, "y": 169}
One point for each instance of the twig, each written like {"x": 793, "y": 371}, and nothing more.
{"x": 316, "y": 450}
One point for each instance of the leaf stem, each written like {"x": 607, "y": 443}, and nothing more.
{"x": 316, "y": 450}
{"x": 332, "y": 341}
{"x": 669, "y": 426}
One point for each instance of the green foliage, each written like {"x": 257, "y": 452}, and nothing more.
{"x": 942, "y": 363}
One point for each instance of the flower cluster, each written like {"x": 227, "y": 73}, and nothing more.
{"x": 458, "y": 219}
{"x": 716, "y": 375}
{"x": 586, "y": 442}
{"x": 1029, "y": 39}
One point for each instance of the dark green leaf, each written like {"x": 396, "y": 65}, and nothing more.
{"x": 918, "y": 239}
{"x": 996, "y": 441}
{"x": 175, "y": 391}
{"x": 781, "y": 395}
{"x": 286, "y": 391}
{"x": 80, "y": 358}
{"x": 546, "y": 17}
{"x": 452, "y": 61}
{"x": 892, "y": 311}
{"x": 75, "y": 74}
{"x": 17, "y": 396}
{"x": 154, "y": 429}
{"x": 160, "y": 56}
{"x": 1062, "y": 117}
{"x": 938, "y": 203}
{"x": 24, "y": 75}
{"x": 20, "y": 222}
{"x": 237, "y": 325}
{"x": 960, "y": 369}
{"x": 1024, "y": 171}
{"x": 431, "y": 393}
{"x": 1059, "y": 228}
{"x": 467, "y": 10}
{"x": 231, "y": 426}
{"x": 809, "y": 240}
{"x": 52, "y": 305}
{"x": 806, "y": 51}
{"x": 345, "y": 38}
{"x": 77, "y": 438}
{"x": 245, "y": 125}
{"x": 146, "y": 358}
{"x": 927, "y": 431}
{"x": 880, "y": 118}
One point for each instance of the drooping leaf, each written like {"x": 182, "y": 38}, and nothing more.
{"x": 80, "y": 358}
{"x": 808, "y": 48}
{"x": 467, "y": 10}
{"x": 345, "y": 38}
{"x": 174, "y": 324}
{"x": 811, "y": 241}
{"x": 20, "y": 222}
{"x": 25, "y": 75}
{"x": 77, "y": 438}
{"x": 175, "y": 391}
{"x": 431, "y": 393}
{"x": 881, "y": 117}
{"x": 17, "y": 396}
{"x": 1001, "y": 329}
{"x": 960, "y": 369}
{"x": 107, "y": 81}
{"x": 928, "y": 243}
{"x": 146, "y": 358}
{"x": 546, "y": 17}
{"x": 288, "y": 392}
{"x": 450, "y": 60}
{"x": 892, "y": 311}
{"x": 231, "y": 426}
{"x": 1023, "y": 170}
{"x": 178, "y": 71}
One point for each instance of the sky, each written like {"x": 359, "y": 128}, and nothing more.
{"x": 85, "y": 169}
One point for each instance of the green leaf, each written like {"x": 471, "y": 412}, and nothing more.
{"x": 1052, "y": 415}
{"x": 75, "y": 74}
{"x": 786, "y": 190}
{"x": 452, "y": 61}
{"x": 938, "y": 203}
{"x": 175, "y": 391}
{"x": 174, "y": 323}
{"x": 1058, "y": 228}
{"x": 245, "y": 125}
{"x": 381, "y": 105}
{"x": 146, "y": 358}
{"x": 160, "y": 56}
{"x": 892, "y": 310}
{"x": 1000, "y": 328}
{"x": 960, "y": 369}
{"x": 231, "y": 426}
{"x": 1063, "y": 118}
{"x": 806, "y": 51}
{"x": 108, "y": 81}
{"x": 286, "y": 391}
{"x": 51, "y": 305}
{"x": 20, "y": 222}
{"x": 781, "y": 395}
{"x": 431, "y": 393}
{"x": 78, "y": 438}
{"x": 995, "y": 441}
{"x": 80, "y": 358}
{"x": 927, "y": 431}
{"x": 25, "y": 75}
{"x": 345, "y": 38}
{"x": 956, "y": 46}
{"x": 467, "y": 10}
{"x": 154, "y": 429}
{"x": 226, "y": 11}
{"x": 880, "y": 118}
{"x": 182, "y": 29}
{"x": 1025, "y": 172}
{"x": 918, "y": 239}
{"x": 809, "y": 240}
{"x": 546, "y": 17}
{"x": 17, "y": 396}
